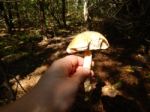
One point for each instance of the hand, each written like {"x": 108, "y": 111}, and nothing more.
{"x": 62, "y": 81}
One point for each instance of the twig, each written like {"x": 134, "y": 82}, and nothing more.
{"x": 20, "y": 85}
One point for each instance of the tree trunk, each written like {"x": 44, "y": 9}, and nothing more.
{"x": 42, "y": 16}
{"x": 85, "y": 10}
{"x": 1, "y": 8}
{"x": 53, "y": 12}
{"x": 7, "y": 18}
{"x": 64, "y": 12}
{"x": 86, "y": 15}
{"x": 18, "y": 15}
{"x": 10, "y": 17}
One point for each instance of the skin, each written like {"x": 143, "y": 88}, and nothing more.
{"x": 56, "y": 90}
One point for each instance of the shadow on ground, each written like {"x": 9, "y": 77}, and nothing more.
{"x": 120, "y": 63}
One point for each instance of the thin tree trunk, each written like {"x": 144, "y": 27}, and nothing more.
{"x": 10, "y": 17}
{"x": 18, "y": 15}
{"x": 53, "y": 13}
{"x": 42, "y": 16}
{"x": 64, "y": 12}
{"x": 8, "y": 26}
{"x": 85, "y": 10}
{"x": 86, "y": 15}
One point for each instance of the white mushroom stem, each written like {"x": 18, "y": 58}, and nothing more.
{"x": 87, "y": 59}
{"x": 87, "y": 64}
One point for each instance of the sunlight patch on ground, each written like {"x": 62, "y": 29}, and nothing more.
{"x": 28, "y": 82}
{"x": 47, "y": 41}
{"x": 44, "y": 42}
{"x": 3, "y": 34}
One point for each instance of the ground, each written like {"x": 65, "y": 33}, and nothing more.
{"x": 25, "y": 57}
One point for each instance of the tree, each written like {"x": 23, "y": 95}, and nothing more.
{"x": 86, "y": 14}
{"x": 41, "y": 4}
{"x": 10, "y": 17}
{"x": 18, "y": 15}
{"x": 7, "y": 14}
{"x": 64, "y": 12}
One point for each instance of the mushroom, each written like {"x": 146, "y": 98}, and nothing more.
{"x": 86, "y": 42}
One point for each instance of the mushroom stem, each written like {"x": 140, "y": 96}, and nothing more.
{"x": 87, "y": 64}
{"x": 87, "y": 59}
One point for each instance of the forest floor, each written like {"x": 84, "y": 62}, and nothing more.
{"x": 26, "y": 56}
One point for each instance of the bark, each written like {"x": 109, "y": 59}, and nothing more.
{"x": 42, "y": 16}
{"x": 64, "y": 12}
{"x": 85, "y": 10}
{"x": 10, "y": 17}
{"x": 86, "y": 14}
{"x": 53, "y": 12}
{"x": 6, "y": 17}
{"x": 18, "y": 15}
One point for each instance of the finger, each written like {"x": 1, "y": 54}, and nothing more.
{"x": 74, "y": 60}
{"x": 80, "y": 75}
{"x": 69, "y": 63}
{"x": 92, "y": 73}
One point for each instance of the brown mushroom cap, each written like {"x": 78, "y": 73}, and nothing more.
{"x": 88, "y": 40}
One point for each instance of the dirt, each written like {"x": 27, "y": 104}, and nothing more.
{"x": 121, "y": 63}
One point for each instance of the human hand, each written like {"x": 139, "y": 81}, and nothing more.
{"x": 61, "y": 82}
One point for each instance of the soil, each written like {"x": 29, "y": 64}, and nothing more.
{"x": 123, "y": 63}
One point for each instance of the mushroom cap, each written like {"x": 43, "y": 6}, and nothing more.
{"x": 88, "y": 40}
